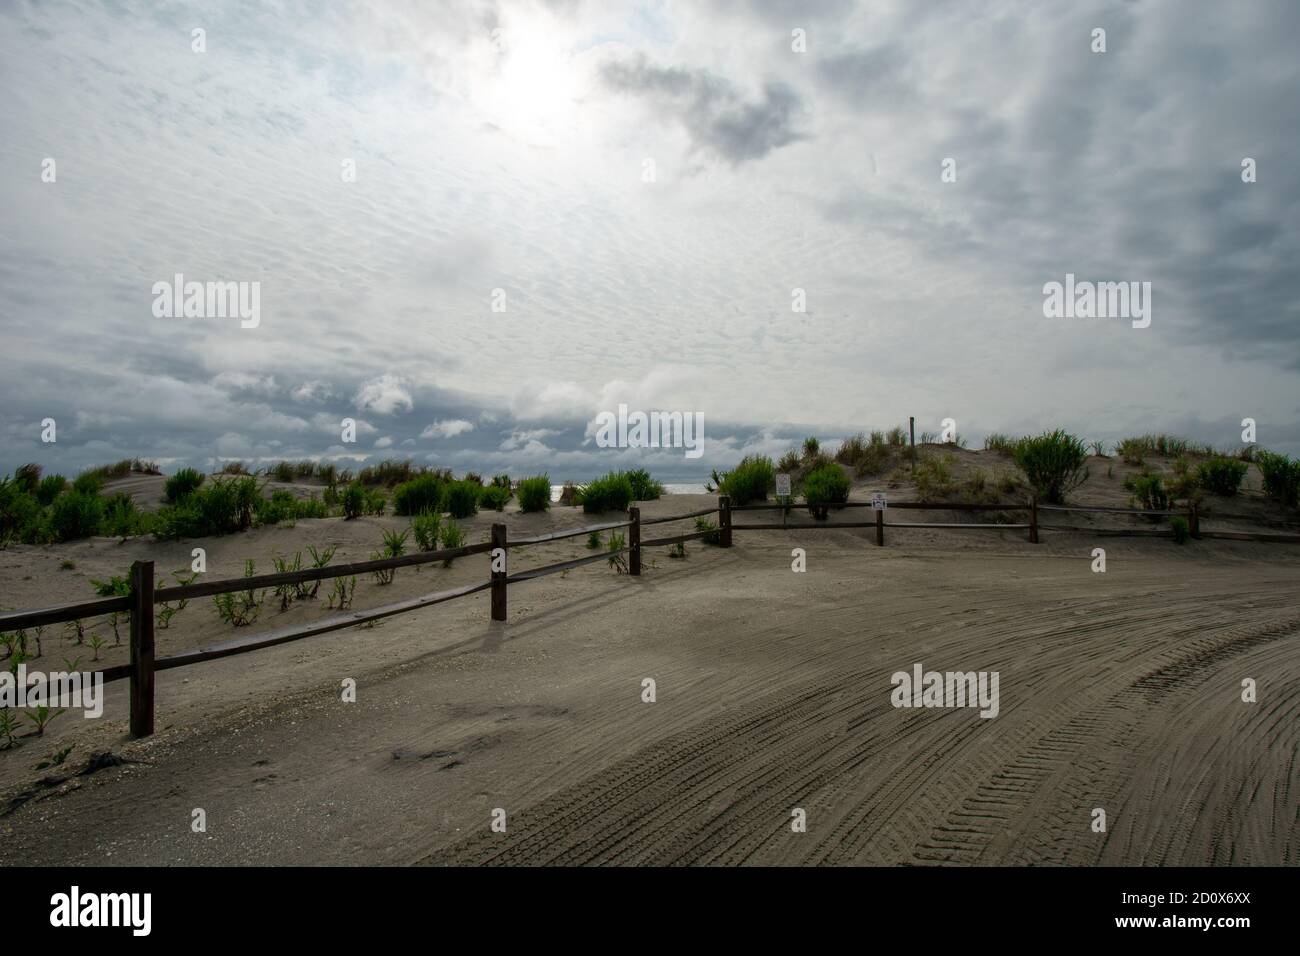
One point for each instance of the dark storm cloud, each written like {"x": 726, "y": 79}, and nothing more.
{"x": 713, "y": 111}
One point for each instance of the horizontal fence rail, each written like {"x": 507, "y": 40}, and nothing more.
{"x": 141, "y": 602}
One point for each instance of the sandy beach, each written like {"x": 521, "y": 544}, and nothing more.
{"x": 1119, "y": 691}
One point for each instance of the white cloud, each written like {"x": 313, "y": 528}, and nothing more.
{"x": 384, "y": 396}
{"x": 448, "y": 429}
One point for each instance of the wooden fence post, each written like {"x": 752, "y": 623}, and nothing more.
{"x": 1194, "y": 518}
{"x": 724, "y": 521}
{"x": 1033, "y": 520}
{"x": 634, "y": 541}
{"x": 880, "y": 528}
{"x": 499, "y": 577}
{"x": 911, "y": 431}
{"x": 142, "y": 648}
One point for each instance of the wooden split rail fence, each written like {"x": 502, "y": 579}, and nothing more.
{"x": 143, "y": 598}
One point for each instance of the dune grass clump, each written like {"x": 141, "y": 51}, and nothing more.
{"x": 1148, "y": 490}
{"x": 644, "y": 488}
{"x": 122, "y": 519}
{"x": 494, "y": 497}
{"x": 28, "y": 477}
{"x": 88, "y": 483}
{"x": 790, "y": 464}
{"x": 613, "y": 492}
{"x": 751, "y": 480}
{"x": 185, "y": 482}
{"x": 353, "y": 501}
{"x": 76, "y": 514}
{"x": 222, "y": 506}
{"x": 825, "y": 486}
{"x": 933, "y": 477}
{"x": 1054, "y": 462}
{"x": 1182, "y": 531}
{"x": 1000, "y": 443}
{"x": 282, "y": 506}
{"x": 1281, "y": 477}
{"x": 424, "y": 493}
{"x": 462, "y": 498}
{"x": 50, "y": 487}
{"x": 1221, "y": 475}
{"x": 535, "y": 493}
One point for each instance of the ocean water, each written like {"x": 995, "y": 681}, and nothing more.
{"x": 672, "y": 488}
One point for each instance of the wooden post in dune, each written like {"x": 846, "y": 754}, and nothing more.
{"x": 911, "y": 432}
{"x": 724, "y": 521}
{"x": 142, "y": 648}
{"x": 1194, "y": 518}
{"x": 880, "y": 528}
{"x": 634, "y": 541}
{"x": 1033, "y": 520}
{"x": 498, "y": 577}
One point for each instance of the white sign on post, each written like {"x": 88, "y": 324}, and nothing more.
{"x": 783, "y": 486}
{"x": 878, "y": 501}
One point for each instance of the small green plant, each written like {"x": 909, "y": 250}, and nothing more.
{"x": 95, "y": 643}
{"x": 344, "y": 590}
{"x": 593, "y": 541}
{"x": 677, "y": 550}
{"x": 1098, "y": 449}
{"x": 165, "y": 611}
{"x": 426, "y": 527}
{"x": 790, "y": 464}
{"x": 8, "y": 729}
{"x": 55, "y": 759}
{"x": 41, "y": 716}
{"x": 394, "y": 547}
{"x": 240, "y": 608}
{"x": 319, "y": 559}
{"x": 535, "y": 493}
{"x": 115, "y": 587}
{"x": 811, "y": 447}
{"x": 66, "y": 565}
{"x": 714, "y": 536}
{"x": 617, "y": 560}
{"x": 1182, "y": 532}
{"x": 452, "y": 537}
{"x": 287, "y": 592}
{"x": 375, "y": 502}
{"x": 77, "y": 628}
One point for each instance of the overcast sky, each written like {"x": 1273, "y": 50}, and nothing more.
{"x": 507, "y": 146}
